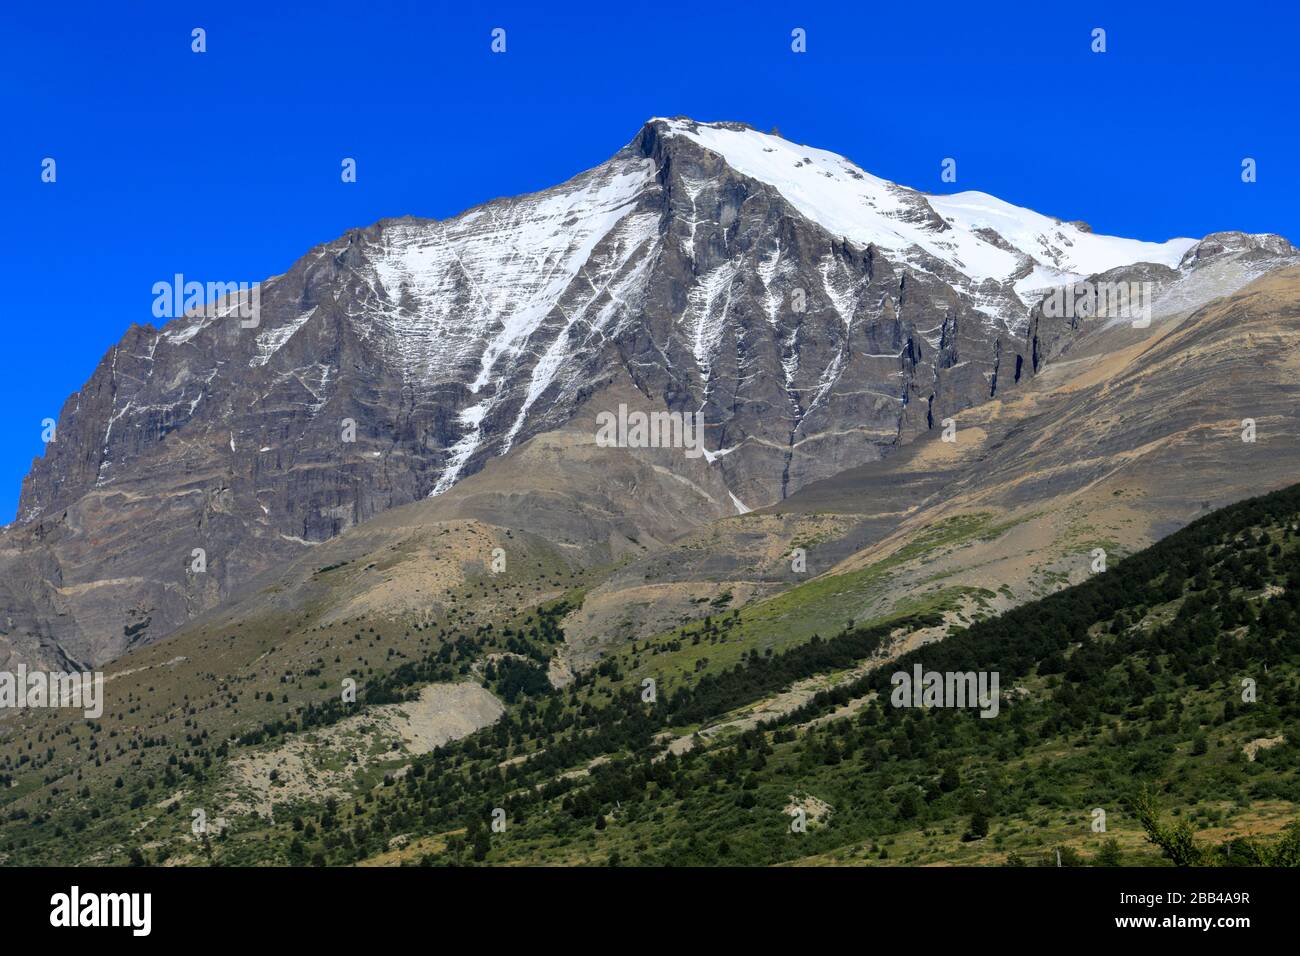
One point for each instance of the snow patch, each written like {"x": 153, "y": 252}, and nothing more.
{"x": 849, "y": 202}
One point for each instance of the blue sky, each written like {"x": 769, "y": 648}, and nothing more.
{"x": 225, "y": 165}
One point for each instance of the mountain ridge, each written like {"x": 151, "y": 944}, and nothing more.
{"x": 447, "y": 343}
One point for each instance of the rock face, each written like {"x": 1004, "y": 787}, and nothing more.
{"x": 1122, "y": 440}
{"x": 813, "y": 315}
{"x": 1217, "y": 266}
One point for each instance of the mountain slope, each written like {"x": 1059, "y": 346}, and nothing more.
{"x": 974, "y": 234}
{"x": 1125, "y": 437}
{"x": 815, "y": 317}
{"x": 1130, "y": 680}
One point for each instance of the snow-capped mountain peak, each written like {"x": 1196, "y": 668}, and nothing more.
{"x": 813, "y": 315}
{"x": 979, "y": 236}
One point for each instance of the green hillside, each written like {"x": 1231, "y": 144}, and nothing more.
{"x": 1162, "y": 695}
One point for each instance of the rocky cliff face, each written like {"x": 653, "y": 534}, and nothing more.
{"x": 1219, "y": 265}
{"x": 813, "y": 315}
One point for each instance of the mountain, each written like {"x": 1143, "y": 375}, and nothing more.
{"x": 816, "y": 317}
{"x": 520, "y": 687}
{"x": 1125, "y": 437}
{"x": 1114, "y": 445}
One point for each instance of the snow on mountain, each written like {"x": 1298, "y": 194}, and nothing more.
{"x": 814, "y": 316}
{"x": 849, "y": 202}
{"x": 476, "y": 287}
{"x": 1062, "y": 251}
{"x": 494, "y": 317}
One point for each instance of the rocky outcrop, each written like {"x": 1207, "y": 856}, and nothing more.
{"x": 1217, "y": 266}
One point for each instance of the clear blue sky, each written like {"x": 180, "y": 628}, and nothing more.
{"x": 225, "y": 165}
